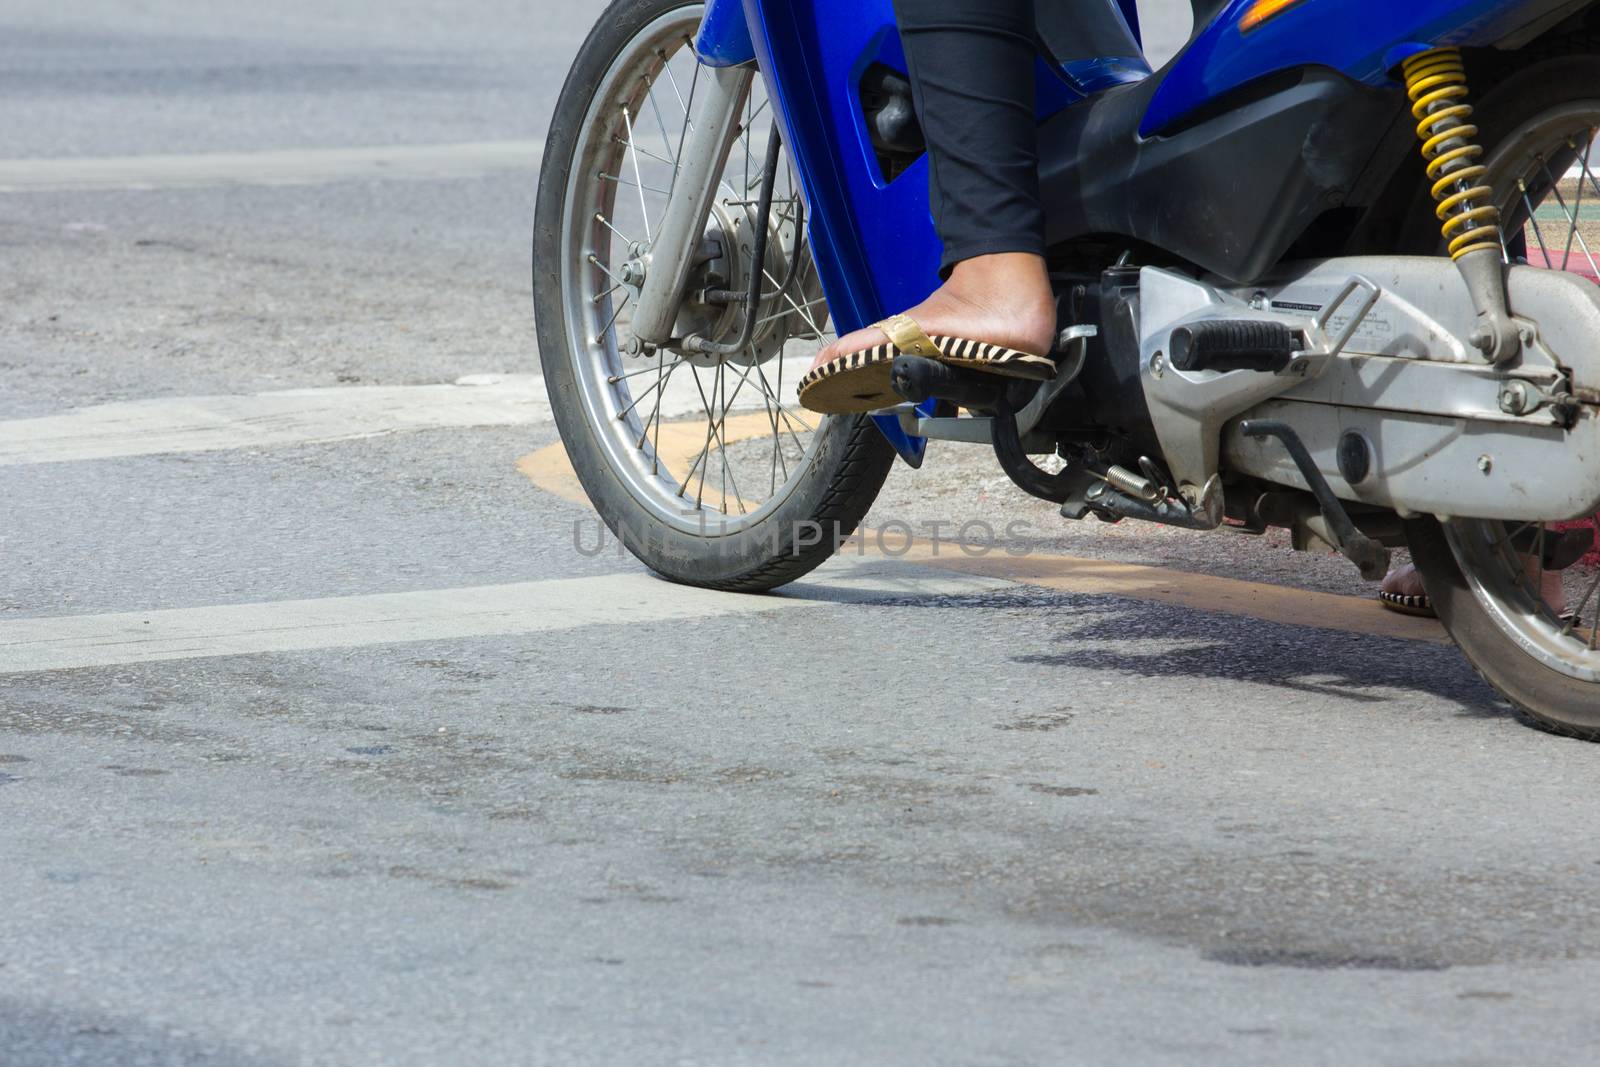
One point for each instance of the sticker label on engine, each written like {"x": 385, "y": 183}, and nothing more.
{"x": 1374, "y": 336}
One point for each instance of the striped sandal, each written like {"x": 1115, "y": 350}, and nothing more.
{"x": 860, "y": 381}
{"x": 1409, "y": 604}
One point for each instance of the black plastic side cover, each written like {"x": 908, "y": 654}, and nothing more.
{"x": 1232, "y": 188}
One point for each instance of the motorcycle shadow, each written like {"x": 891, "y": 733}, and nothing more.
{"x": 1155, "y": 641}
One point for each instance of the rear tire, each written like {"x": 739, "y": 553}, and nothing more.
{"x": 1545, "y": 697}
{"x": 1549, "y": 77}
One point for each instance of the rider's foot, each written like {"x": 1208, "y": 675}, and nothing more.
{"x": 1402, "y": 590}
{"x": 1002, "y": 299}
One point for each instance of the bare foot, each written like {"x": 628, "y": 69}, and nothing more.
{"x": 1404, "y": 580}
{"x": 1002, "y": 299}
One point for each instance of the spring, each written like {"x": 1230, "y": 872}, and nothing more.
{"x": 1125, "y": 481}
{"x": 1436, "y": 82}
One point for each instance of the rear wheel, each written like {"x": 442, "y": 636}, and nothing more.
{"x": 705, "y": 466}
{"x": 1530, "y": 633}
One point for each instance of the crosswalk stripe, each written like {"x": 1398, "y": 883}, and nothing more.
{"x": 301, "y": 416}
{"x": 78, "y": 641}
{"x": 277, "y": 167}
{"x": 295, "y": 416}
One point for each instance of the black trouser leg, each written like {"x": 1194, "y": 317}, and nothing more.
{"x": 971, "y": 66}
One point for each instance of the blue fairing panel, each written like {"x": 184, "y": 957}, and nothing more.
{"x": 1362, "y": 40}
{"x": 724, "y": 37}
{"x": 873, "y": 238}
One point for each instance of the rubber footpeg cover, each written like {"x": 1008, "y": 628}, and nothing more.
{"x": 1235, "y": 344}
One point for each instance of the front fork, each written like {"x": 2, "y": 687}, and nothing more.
{"x": 713, "y": 127}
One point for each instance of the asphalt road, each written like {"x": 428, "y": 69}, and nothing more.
{"x": 323, "y": 739}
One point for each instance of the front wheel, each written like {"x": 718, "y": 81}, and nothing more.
{"x": 704, "y": 466}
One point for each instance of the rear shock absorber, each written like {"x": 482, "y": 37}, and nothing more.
{"x": 1436, "y": 82}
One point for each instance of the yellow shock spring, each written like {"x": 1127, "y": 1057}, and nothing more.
{"x": 1436, "y": 82}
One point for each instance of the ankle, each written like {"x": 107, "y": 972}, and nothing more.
{"x": 1011, "y": 275}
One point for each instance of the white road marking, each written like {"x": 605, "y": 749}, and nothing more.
{"x": 294, "y": 416}
{"x": 308, "y": 416}
{"x": 288, "y": 167}
{"x": 77, "y": 641}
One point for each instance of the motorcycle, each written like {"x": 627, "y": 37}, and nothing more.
{"x": 1326, "y": 270}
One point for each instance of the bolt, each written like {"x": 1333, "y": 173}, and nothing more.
{"x": 1514, "y": 399}
{"x": 1482, "y": 340}
{"x": 1158, "y": 365}
{"x": 1485, "y": 464}
{"x": 1096, "y": 491}
{"x": 1258, "y": 300}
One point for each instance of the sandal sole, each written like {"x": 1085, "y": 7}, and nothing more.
{"x": 860, "y": 382}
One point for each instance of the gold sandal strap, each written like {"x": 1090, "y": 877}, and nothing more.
{"x": 907, "y": 336}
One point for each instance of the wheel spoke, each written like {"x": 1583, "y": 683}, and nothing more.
{"x": 602, "y": 267}
{"x": 1577, "y": 612}
{"x": 633, "y": 156}
{"x": 791, "y": 302}
{"x": 642, "y": 188}
{"x": 688, "y": 120}
{"x": 666, "y": 65}
{"x": 659, "y": 385}
{"x": 639, "y": 144}
{"x": 775, "y": 316}
{"x": 666, "y": 138}
{"x": 643, "y": 152}
{"x": 600, "y": 217}
{"x": 1533, "y": 220}
{"x": 599, "y": 337}
{"x": 789, "y": 419}
{"x": 1572, "y": 224}
{"x": 615, "y": 378}
{"x": 1577, "y": 199}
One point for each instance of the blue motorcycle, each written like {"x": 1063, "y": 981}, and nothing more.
{"x": 1331, "y": 269}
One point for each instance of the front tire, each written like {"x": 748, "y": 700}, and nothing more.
{"x": 696, "y": 534}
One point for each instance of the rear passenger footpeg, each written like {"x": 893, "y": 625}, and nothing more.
{"x": 1235, "y": 344}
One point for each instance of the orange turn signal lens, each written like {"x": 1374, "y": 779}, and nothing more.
{"x": 1261, "y": 11}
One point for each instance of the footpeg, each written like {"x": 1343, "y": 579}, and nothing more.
{"x": 1371, "y": 558}
{"x": 918, "y": 378}
{"x": 1235, "y": 344}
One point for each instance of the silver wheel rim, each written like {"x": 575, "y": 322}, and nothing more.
{"x": 1535, "y": 193}
{"x": 620, "y": 178}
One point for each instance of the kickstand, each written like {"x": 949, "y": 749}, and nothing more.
{"x": 1371, "y": 558}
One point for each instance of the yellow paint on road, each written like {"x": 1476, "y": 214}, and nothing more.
{"x": 683, "y": 450}
{"x": 1203, "y": 592}
{"x": 550, "y": 470}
